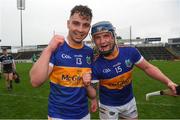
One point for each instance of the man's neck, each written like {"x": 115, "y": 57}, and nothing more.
{"x": 74, "y": 44}
{"x": 113, "y": 55}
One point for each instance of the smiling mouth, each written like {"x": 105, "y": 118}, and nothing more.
{"x": 103, "y": 47}
{"x": 79, "y": 34}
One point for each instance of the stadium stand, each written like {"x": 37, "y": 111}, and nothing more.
{"x": 174, "y": 46}
{"x": 156, "y": 53}
{"x": 151, "y": 51}
{"x": 25, "y": 55}
{"x": 176, "y": 49}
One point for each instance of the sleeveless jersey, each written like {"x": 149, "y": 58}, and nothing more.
{"x": 68, "y": 97}
{"x": 115, "y": 76}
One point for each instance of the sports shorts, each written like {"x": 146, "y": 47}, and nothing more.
{"x": 126, "y": 111}
{"x": 7, "y": 71}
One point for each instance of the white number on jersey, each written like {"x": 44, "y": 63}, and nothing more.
{"x": 118, "y": 69}
{"x": 78, "y": 61}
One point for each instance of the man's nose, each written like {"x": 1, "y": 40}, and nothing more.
{"x": 102, "y": 40}
{"x": 80, "y": 28}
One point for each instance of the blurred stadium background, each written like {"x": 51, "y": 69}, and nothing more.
{"x": 25, "y": 102}
{"x": 150, "y": 48}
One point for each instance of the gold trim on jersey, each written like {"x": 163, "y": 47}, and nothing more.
{"x": 117, "y": 82}
{"x": 75, "y": 46}
{"x": 68, "y": 76}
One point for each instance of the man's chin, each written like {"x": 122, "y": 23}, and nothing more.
{"x": 78, "y": 41}
{"x": 105, "y": 53}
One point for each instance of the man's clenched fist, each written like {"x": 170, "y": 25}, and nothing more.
{"x": 56, "y": 41}
{"x": 87, "y": 79}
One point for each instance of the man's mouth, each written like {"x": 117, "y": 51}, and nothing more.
{"x": 78, "y": 35}
{"x": 103, "y": 48}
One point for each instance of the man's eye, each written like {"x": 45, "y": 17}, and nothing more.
{"x": 86, "y": 25}
{"x": 76, "y": 23}
{"x": 96, "y": 37}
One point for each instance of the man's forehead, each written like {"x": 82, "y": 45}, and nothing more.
{"x": 78, "y": 15}
{"x": 102, "y": 32}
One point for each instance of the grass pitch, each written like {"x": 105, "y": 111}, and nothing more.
{"x": 26, "y": 102}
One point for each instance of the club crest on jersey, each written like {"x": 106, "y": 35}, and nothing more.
{"x": 128, "y": 63}
{"x": 88, "y": 59}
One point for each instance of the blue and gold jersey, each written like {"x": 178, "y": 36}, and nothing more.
{"x": 68, "y": 96}
{"x": 115, "y": 76}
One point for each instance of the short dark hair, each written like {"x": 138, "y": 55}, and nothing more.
{"x": 82, "y": 10}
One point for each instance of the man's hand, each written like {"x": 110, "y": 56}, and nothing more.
{"x": 94, "y": 105}
{"x": 56, "y": 41}
{"x": 87, "y": 79}
{"x": 171, "y": 85}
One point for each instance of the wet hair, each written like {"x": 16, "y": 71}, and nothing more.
{"x": 82, "y": 10}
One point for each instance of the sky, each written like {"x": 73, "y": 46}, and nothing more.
{"x": 147, "y": 18}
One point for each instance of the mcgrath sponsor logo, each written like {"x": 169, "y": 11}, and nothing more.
{"x": 71, "y": 78}
{"x": 120, "y": 84}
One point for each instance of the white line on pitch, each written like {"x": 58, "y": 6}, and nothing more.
{"x": 157, "y": 104}
{"x": 42, "y": 97}
{"x": 18, "y": 95}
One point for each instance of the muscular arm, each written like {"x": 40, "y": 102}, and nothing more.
{"x": 155, "y": 73}
{"x": 94, "y": 101}
{"x": 41, "y": 70}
